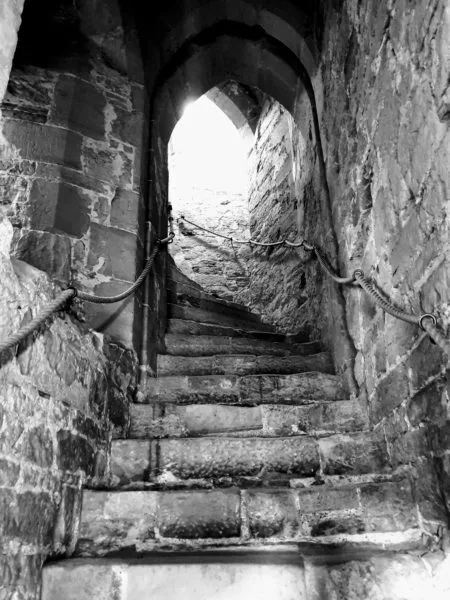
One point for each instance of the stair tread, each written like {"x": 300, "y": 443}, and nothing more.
{"x": 194, "y": 328}
{"x": 189, "y": 291}
{"x": 215, "y": 457}
{"x": 201, "y": 315}
{"x": 319, "y": 514}
{"x": 318, "y": 418}
{"x": 242, "y": 364}
{"x": 297, "y": 388}
{"x": 205, "y": 345}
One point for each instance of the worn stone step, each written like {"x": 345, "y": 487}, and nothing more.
{"x": 297, "y": 388}
{"x": 335, "y": 514}
{"x": 172, "y": 420}
{"x": 195, "y": 328}
{"x": 217, "y": 457}
{"x": 183, "y": 577}
{"x": 180, "y": 293}
{"x": 206, "y": 345}
{"x": 192, "y": 313}
{"x": 242, "y": 364}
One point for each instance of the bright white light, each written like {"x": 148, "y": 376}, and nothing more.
{"x": 207, "y": 150}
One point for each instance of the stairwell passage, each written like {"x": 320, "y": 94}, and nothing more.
{"x": 246, "y": 443}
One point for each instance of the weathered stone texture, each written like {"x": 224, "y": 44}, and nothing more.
{"x": 10, "y": 12}
{"x": 69, "y": 154}
{"x": 386, "y": 142}
{"x": 59, "y": 398}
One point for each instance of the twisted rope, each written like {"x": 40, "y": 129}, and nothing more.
{"x": 35, "y": 323}
{"x": 71, "y": 293}
{"x": 427, "y": 321}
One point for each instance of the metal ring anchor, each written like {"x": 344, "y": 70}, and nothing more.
{"x": 427, "y": 316}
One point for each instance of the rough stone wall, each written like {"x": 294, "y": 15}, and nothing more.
{"x": 10, "y": 11}
{"x": 282, "y": 282}
{"x": 70, "y": 170}
{"x": 385, "y": 72}
{"x": 63, "y": 393}
{"x": 219, "y": 267}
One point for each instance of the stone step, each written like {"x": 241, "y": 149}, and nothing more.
{"x": 206, "y": 345}
{"x": 192, "y": 313}
{"x": 172, "y": 420}
{"x": 332, "y": 515}
{"x": 242, "y": 364}
{"x": 174, "y": 578}
{"x": 297, "y": 388}
{"x": 263, "y": 458}
{"x": 195, "y": 328}
{"x": 181, "y": 293}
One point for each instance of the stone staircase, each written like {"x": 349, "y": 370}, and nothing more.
{"x": 246, "y": 443}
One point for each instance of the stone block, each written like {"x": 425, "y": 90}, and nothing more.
{"x": 128, "y": 126}
{"x": 337, "y": 416}
{"x": 79, "y": 106}
{"x": 271, "y": 514}
{"x": 116, "y": 520}
{"x": 9, "y": 473}
{"x": 38, "y": 446}
{"x": 428, "y": 405}
{"x": 333, "y": 523}
{"x": 58, "y": 206}
{"x": 388, "y": 506}
{"x": 359, "y": 453}
{"x": 200, "y": 419}
{"x": 326, "y": 498}
{"x": 107, "y": 164}
{"x": 426, "y": 361}
{"x": 45, "y": 251}
{"x": 392, "y": 391}
{"x": 126, "y": 208}
{"x": 44, "y": 143}
{"x": 130, "y": 461}
{"x": 397, "y": 577}
{"x": 193, "y": 515}
{"x": 113, "y": 252}
{"x": 74, "y": 453}
{"x": 230, "y": 457}
{"x": 78, "y": 580}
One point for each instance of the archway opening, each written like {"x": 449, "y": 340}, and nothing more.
{"x": 208, "y": 185}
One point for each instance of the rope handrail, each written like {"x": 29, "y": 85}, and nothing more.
{"x": 71, "y": 293}
{"x": 426, "y": 321}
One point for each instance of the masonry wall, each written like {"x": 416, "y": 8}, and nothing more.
{"x": 63, "y": 394}
{"x": 283, "y": 281}
{"x": 72, "y": 163}
{"x": 384, "y": 71}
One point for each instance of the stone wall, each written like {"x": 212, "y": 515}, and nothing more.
{"x": 282, "y": 286}
{"x": 10, "y": 12}
{"x": 73, "y": 135}
{"x": 385, "y": 69}
{"x": 62, "y": 395}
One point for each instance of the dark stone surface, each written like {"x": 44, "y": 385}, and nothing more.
{"x": 45, "y": 251}
{"x": 45, "y": 143}
{"x": 391, "y": 392}
{"x": 79, "y": 106}
{"x": 115, "y": 250}
{"x": 125, "y": 210}
{"x": 59, "y": 207}
{"x": 212, "y": 515}
{"x": 271, "y": 514}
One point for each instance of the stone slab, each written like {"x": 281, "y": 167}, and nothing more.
{"x": 203, "y": 345}
{"x": 242, "y": 364}
{"x": 302, "y": 388}
{"x": 181, "y": 578}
